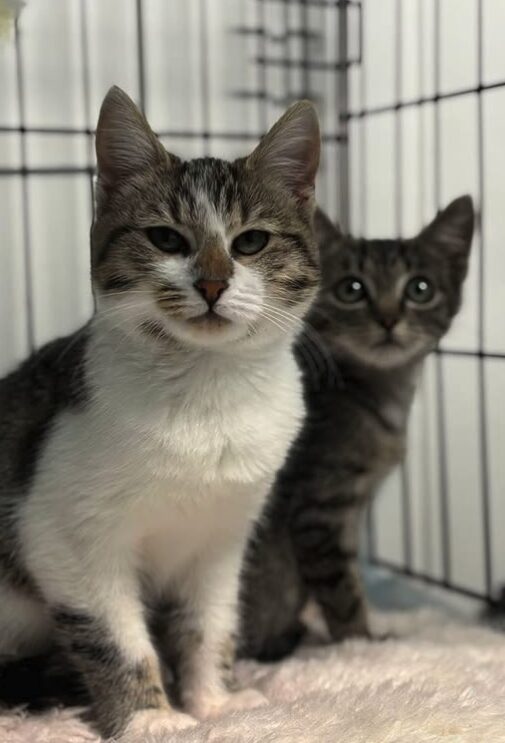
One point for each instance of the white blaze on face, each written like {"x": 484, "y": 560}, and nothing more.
{"x": 243, "y": 300}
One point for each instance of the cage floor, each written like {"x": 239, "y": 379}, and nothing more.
{"x": 437, "y": 679}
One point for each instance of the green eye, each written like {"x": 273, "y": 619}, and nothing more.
{"x": 350, "y": 290}
{"x": 250, "y": 242}
{"x": 168, "y": 240}
{"x": 420, "y": 290}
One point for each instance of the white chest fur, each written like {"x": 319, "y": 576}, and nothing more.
{"x": 167, "y": 452}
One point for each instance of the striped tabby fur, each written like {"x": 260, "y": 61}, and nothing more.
{"x": 358, "y": 392}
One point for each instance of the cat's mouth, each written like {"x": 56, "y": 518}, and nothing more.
{"x": 389, "y": 341}
{"x": 209, "y": 319}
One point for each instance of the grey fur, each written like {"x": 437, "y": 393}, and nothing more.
{"x": 358, "y": 400}
{"x": 30, "y": 399}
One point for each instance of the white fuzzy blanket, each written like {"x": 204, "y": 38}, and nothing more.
{"x": 438, "y": 681}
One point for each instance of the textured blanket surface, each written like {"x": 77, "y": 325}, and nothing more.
{"x": 435, "y": 681}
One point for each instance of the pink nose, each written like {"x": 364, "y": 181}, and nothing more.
{"x": 211, "y": 289}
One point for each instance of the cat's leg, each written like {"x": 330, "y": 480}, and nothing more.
{"x": 98, "y": 616}
{"x": 25, "y": 624}
{"x": 326, "y": 538}
{"x": 270, "y": 630}
{"x": 207, "y": 653}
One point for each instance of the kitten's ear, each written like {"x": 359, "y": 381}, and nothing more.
{"x": 289, "y": 152}
{"x": 125, "y": 143}
{"x": 326, "y": 231}
{"x": 452, "y": 228}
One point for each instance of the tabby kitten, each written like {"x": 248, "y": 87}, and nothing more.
{"x": 383, "y": 306}
{"x": 135, "y": 454}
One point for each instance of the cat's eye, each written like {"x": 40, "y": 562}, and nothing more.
{"x": 250, "y": 242}
{"x": 420, "y": 290}
{"x": 350, "y": 290}
{"x": 168, "y": 240}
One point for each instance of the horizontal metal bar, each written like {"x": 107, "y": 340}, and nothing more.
{"x": 306, "y": 64}
{"x": 320, "y": 3}
{"x": 285, "y": 100}
{"x": 90, "y": 170}
{"x": 174, "y": 133}
{"x": 294, "y": 33}
{"x": 479, "y": 354}
{"x": 374, "y": 110}
{"x": 8, "y": 129}
{"x": 430, "y": 580}
{"x": 56, "y": 170}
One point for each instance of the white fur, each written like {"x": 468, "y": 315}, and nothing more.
{"x": 161, "y": 475}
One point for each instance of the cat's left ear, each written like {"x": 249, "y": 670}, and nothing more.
{"x": 289, "y": 152}
{"x": 452, "y": 228}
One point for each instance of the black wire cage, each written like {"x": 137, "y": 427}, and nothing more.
{"x": 412, "y": 101}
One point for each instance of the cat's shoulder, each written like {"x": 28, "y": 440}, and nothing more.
{"x": 53, "y": 374}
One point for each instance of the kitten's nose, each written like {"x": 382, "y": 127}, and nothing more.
{"x": 388, "y": 321}
{"x": 211, "y": 289}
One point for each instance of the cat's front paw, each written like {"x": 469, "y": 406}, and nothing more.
{"x": 215, "y": 705}
{"x": 149, "y": 723}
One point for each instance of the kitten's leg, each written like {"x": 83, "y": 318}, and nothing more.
{"x": 270, "y": 630}
{"x": 207, "y": 655}
{"x": 326, "y": 537}
{"x": 99, "y": 620}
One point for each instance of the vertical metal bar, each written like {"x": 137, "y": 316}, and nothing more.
{"x": 370, "y": 515}
{"x": 27, "y": 245}
{"x": 483, "y": 430}
{"x": 306, "y": 87}
{"x": 204, "y": 76}
{"x": 405, "y": 489}
{"x": 398, "y": 120}
{"x": 342, "y": 120}
{"x": 140, "y": 54}
{"x": 363, "y": 145}
{"x": 287, "y": 47}
{"x": 83, "y": 20}
{"x": 441, "y": 423}
{"x": 262, "y": 68}
{"x": 422, "y": 129}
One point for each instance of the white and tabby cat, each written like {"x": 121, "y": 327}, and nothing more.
{"x": 136, "y": 454}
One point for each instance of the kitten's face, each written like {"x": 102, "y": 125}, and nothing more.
{"x": 207, "y": 252}
{"x": 386, "y": 302}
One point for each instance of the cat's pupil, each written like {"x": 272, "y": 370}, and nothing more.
{"x": 420, "y": 290}
{"x": 168, "y": 240}
{"x": 350, "y": 290}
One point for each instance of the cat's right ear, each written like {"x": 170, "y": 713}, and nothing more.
{"x": 125, "y": 143}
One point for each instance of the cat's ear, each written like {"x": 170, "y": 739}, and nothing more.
{"x": 452, "y": 228}
{"x": 125, "y": 143}
{"x": 326, "y": 232}
{"x": 289, "y": 152}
